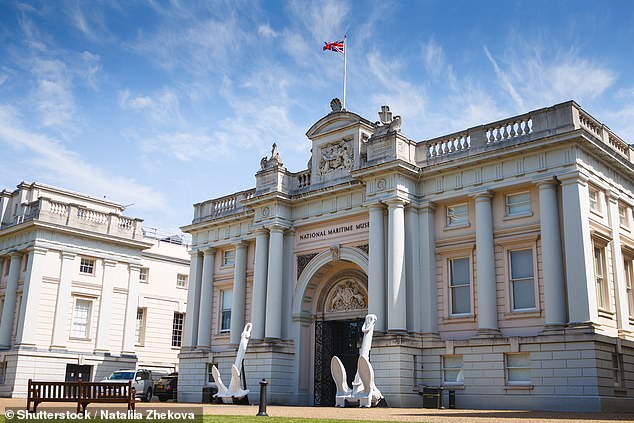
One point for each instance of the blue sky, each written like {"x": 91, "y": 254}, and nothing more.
{"x": 164, "y": 104}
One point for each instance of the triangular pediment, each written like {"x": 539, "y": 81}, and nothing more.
{"x": 336, "y": 121}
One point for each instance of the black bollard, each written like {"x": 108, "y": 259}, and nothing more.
{"x": 262, "y": 408}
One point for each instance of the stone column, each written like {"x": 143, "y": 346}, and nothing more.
{"x": 131, "y": 306}
{"x": 552, "y": 263}
{"x": 190, "y": 336}
{"x": 396, "y": 286}
{"x": 429, "y": 318}
{"x": 239, "y": 291}
{"x": 29, "y": 308}
{"x": 258, "y": 301}
{"x": 412, "y": 261}
{"x": 206, "y": 298}
{"x": 274, "y": 286}
{"x": 485, "y": 264}
{"x": 62, "y": 312}
{"x": 8, "y": 310}
{"x": 620, "y": 289}
{"x": 376, "y": 266}
{"x": 579, "y": 258}
{"x": 289, "y": 283}
{"x": 105, "y": 307}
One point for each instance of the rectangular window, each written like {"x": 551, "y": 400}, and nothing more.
{"x": 25, "y": 262}
{"x": 229, "y": 258}
{"x": 593, "y": 195}
{"x": 518, "y": 204}
{"x": 181, "y": 280}
{"x": 617, "y": 370}
{"x": 457, "y": 214}
{"x": 600, "y": 278}
{"x": 177, "y": 329}
{"x": 140, "y": 326}
{"x": 144, "y": 275}
{"x": 225, "y": 314}
{"x": 623, "y": 215}
{"x": 628, "y": 285}
{"x": 518, "y": 369}
{"x": 3, "y": 372}
{"x": 87, "y": 266}
{"x": 460, "y": 286}
{"x": 522, "y": 280}
{"x": 7, "y": 263}
{"x": 81, "y": 319}
{"x": 452, "y": 369}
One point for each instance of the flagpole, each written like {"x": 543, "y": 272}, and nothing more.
{"x": 345, "y": 50}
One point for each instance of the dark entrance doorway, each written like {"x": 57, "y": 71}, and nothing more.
{"x": 75, "y": 372}
{"x": 335, "y": 337}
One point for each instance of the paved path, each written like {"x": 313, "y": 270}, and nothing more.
{"x": 376, "y": 414}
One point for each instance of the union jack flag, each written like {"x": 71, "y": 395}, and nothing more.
{"x": 337, "y": 46}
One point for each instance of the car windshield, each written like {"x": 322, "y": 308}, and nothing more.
{"x": 166, "y": 379}
{"x": 122, "y": 376}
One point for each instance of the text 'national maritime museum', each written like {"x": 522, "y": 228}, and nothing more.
{"x": 498, "y": 261}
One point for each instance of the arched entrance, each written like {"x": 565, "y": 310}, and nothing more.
{"x": 330, "y": 302}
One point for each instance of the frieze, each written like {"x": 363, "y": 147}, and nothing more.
{"x": 345, "y": 296}
{"x": 337, "y": 156}
{"x": 333, "y": 230}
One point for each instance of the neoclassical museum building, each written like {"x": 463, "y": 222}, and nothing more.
{"x": 498, "y": 259}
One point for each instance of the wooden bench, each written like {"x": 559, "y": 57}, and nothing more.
{"x": 82, "y": 393}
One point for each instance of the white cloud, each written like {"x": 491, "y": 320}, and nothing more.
{"x": 161, "y": 108}
{"x": 266, "y": 31}
{"x": 323, "y": 19}
{"x": 49, "y": 160}
{"x": 505, "y": 81}
{"x": 436, "y": 63}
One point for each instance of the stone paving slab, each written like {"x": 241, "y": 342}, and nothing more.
{"x": 375, "y": 414}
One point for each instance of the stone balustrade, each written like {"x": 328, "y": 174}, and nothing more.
{"x": 80, "y": 217}
{"x": 223, "y": 206}
{"x": 301, "y": 179}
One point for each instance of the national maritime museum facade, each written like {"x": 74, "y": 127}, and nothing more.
{"x": 499, "y": 261}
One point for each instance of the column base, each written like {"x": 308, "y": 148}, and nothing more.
{"x": 582, "y": 327}
{"x": 487, "y": 333}
{"x": 553, "y": 329}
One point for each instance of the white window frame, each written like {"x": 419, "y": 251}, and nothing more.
{"x": 510, "y": 370}
{"x": 601, "y": 276}
{"x": 139, "y": 333}
{"x": 451, "y": 288}
{"x": 182, "y": 280}
{"x": 628, "y": 268}
{"x": 594, "y": 199}
{"x": 457, "y": 220}
{"x": 624, "y": 215}
{"x": 144, "y": 275}
{"x": 87, "y": 324}
{"x": 178, "y": 325}
{"x": 520, "y": 213}
{"x": 228, "y": 257}
{"x": 224, "y": 310}
{"x": 511, "y": 281}
{"x": 87, "y": 266}
{"x": 448, "y": 368}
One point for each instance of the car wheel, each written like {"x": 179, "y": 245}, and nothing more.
{"x": 148, "y": 396}
{"x": 162, "y": 398}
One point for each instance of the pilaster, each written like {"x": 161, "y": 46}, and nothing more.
{"x": 258, "y": 302}
{"x": 190, "y": 337}
{"x": 132, "y": 301}
{"x": 620, "y": 289}
{"x": 412, "y": 264}
{"x": 273, "y": 326}
{"x": 397, "y": 294}
{"x": 376, "y": 264}
{"x": 239, "y": 291}
{"x": 105, "y": 307}
{"x": 429, "y": 300}
{"x": 206, "y": 298}
{"x": 30, "y": 304}
{"x": 8, "y": 309}
{"x": 62, "y": 313}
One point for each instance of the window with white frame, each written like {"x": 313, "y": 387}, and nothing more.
{"x": 522, "y": 280}
{"x": 600, "y": 277}
{"x": 177, "y": 329}
{"x": 225, "y": 312}
{"x": 181, "y": 280}
{"x": 144, "y": 275}
{"x": 624, "y": 213}
{"x": 81, "y": 319}
{"x": 459, "y": 286}
{"x": 140, "y": 326}
{"x": 452, "y": 369}
{"x": 518, "y": 204}
{"x": 458, "y": 214}
{"x": 87, "y": 266}
{"x": 617, "y": 370}
{"x": 595, "y": 199}
{"x": 629, "y": 276}
{"x": 518, "y": 368}
{"x": 229, "y": 257}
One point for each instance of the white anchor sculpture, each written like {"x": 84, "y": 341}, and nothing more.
{"x": 363, "y": 391}
{"x": 234, "y": 390}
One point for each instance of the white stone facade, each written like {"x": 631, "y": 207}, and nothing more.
{"x": 498, "y": 259}
{"x": 71, "y": 292}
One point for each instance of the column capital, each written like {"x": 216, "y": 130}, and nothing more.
{"x": 613, "y": 196}
{"x": 109, "y": 262}
{"x": 546, "y": 183}
{"x": 427, "y": 206}
{"x": 134, "y": 267}
{"x": 395, "y": 203}
{"x": 482, "y": 195}
{"x": 67, "y": 255}
{"x": 15, "y": 253}
{"x": 276, "y": 227}
{"x": 194, "y": 253}
{"x": 575, "y": 177}
{"x": 209, "y": 251}
{"x": 241, "y": 244}
{"x": 375, "y": 205}
{"x": 261, "y": 231}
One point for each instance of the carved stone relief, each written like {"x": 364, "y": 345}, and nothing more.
{"x": 346, "y": 295}
{"x": 302, "y": 262}
{"x": 337, "y": 156}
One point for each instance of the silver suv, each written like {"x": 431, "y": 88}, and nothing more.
{"x": 141, "y": 381}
